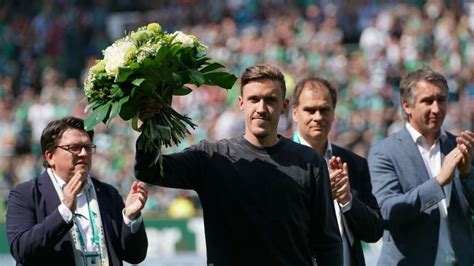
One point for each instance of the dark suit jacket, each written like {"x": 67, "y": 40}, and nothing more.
{"x": 364, "y": 219}
{"x": 408, "y": 199}
{"x": 38, "y": 235}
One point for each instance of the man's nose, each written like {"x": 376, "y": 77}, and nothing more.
{"x": 435, "y": 107}
{"x": 317, "y": 116}
{"x": 83, "y": 151}
{"x": 261, "y": 106}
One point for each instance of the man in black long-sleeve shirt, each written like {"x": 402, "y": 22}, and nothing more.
{"x": 266, "y": 200}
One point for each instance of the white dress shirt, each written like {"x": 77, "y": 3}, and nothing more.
{"x": 433, "y": 159}
{"x": 81, "y": 215}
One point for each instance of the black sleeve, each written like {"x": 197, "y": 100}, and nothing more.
{"x": 364, "y": 218}
{"x": 180, "y": 170}
{"x": 326, "y": 239}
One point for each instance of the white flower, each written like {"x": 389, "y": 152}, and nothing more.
{"x": 147, "y": 50}
{"x": 116, "y": 56}
{"x": 89, "y": 85}
{"x": 184, "y": 39}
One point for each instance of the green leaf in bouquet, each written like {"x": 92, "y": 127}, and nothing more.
{"x": 185, "y": 56}
{"x": 116, "y": 107}
{"x": 151, "y": 74}
{"x": 177, "y": 79}
{"x": 222, "y": 79}
{"x": 196, "y": 77}
{"x": 104, "y": 112}
{"x": 211, "y": 67}
{"x": 148, "y": 62}
{"x": 202, "y": 61}
{"x": 116, "y": 91}
{"x": 135, "y": 92}
{"x": 134, "y": 66}
{"x": 129, "y": 108}
{"x": 114, "y": 111}
{"x": 182, "y": 91}
{"x": 163, "y": 53}
{"x": 135, "y": 123}
{"x": 147, "y": 89}
{"x": 177, "y": 48}
{"x": 166, "y": 73}
{"x": 97, "y": 116}
{"x": 123, "y": 73}
{"x": 91, "y": 106}
{"x": 184, "y": 77}
{"x": 138, "y": 81}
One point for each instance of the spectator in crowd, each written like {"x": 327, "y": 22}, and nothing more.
{"x": 423, "y": 180}
{"x": 357, "y": 211}
{"x": 67, "y": 217}
{"x": 266, "y": 200}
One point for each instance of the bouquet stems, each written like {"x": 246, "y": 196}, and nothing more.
{"x": 166, "y": 128}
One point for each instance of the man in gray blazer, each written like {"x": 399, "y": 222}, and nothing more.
{"x": 423, "y": 181}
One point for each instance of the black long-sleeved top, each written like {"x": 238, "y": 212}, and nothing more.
{"x": 262, "y": 206}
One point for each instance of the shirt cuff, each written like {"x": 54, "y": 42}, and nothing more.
{"x": 347, "y": 206}
{"x": 133, "y": 224}
{"x": 65, "y": 213}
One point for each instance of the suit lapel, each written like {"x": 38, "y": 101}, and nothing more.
{"x": 51, "y": 198}
{"x": 411, "y": 156}
{"x": 335, "y": 150}
{"x": 104, "y": 206}
{"x": 102, "y": 201}
{"x": 339, "y": 152}
{"x": 447, "y": 145}
{"x": 51, "y": 202}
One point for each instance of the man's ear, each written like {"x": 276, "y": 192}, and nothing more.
{"x": 241, "y": 103}
{"x": 48, "y": 155}
{"x": 406, "y": 108}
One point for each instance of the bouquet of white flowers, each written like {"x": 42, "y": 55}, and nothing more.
{"x": 150, "y": 63}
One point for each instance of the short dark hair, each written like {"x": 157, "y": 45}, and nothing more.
{"x": 315, "y": 83}
{"x": 55, "y": 130}
{"x": 409, "y": 81}
{"x": 260, "y": 72}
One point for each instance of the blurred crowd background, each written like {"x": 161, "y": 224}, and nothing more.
{"x": 363, "y": 47}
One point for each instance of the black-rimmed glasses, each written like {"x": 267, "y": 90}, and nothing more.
{"x": 77, "y": 148}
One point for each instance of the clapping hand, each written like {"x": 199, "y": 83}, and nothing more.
{"x": 459, "y": 157}
{"x": 339, "y": 177}
{"x": 136, "y": 200}
{"x": 72, "y": 189}
{"x": 465, "y": 141}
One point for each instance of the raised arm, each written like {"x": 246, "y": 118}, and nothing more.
{"x": 180, "y": 170}
{"x": 405, "y": 206}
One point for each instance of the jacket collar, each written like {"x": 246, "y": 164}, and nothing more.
{"x": 46, "y": 187}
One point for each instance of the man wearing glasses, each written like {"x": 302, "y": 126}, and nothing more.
{"x": 67, "y": 217}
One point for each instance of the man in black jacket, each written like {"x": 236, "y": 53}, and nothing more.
{"x": 357, "y": 211}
